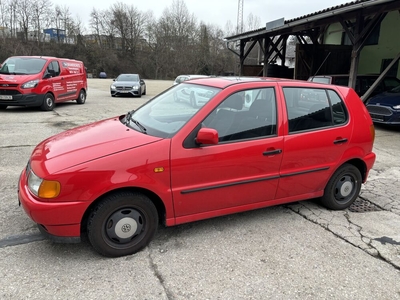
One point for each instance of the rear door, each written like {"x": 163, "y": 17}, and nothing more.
{"x": 318, "y": 134}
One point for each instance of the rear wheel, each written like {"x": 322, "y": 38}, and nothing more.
{"x": 343, "y": 188}
{"x": 122, "y": 224}
{"x": 48, "y": 102}
{"x": 81, "y": 98}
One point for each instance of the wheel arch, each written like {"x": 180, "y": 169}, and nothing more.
{"x": 359, "y": 164}
{"x": 158, "y": 203}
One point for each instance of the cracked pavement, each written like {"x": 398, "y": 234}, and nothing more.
{"x": 294, "y": 251}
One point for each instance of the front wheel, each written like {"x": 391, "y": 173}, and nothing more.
{"x": 81, "y": 98}
{"x": 122, "y": 224}
{"x": 48, "y": 102}
{"x": 3, "y": 107}
{"x": 343, "y": 188}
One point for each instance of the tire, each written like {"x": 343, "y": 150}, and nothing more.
{"x": 3, "y": 107}
{"x": 81, "y": 98}
{"x": 112, "y": 95}
{"x": 48, "y": 102}
{"x": 144, "y": 92}
{"x": 343, "y": 188}
{"x": 140, "y": 93}
{"x": 122, "y": 224}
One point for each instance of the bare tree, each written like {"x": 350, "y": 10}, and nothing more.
{"x": 25, "y": 14}
{"x": 40, "y": 10}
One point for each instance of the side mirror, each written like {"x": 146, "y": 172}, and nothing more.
{"x": 207, "y": 136}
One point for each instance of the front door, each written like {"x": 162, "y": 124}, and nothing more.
{"x": 239, "y": 172}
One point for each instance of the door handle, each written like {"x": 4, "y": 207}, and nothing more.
{"x": 340, "y": 141}
{"x": 272, "y": 152}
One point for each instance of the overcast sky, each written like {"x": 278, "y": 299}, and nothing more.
{"x": 217, "y": 12}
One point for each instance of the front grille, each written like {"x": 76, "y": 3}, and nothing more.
{"x": 124, "y": 88}
{"x": 379, "y": 110}
{"x": 9, "y": 92}
{"x": 8, "y": 85}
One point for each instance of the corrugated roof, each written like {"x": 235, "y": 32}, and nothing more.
{"x": 323, "y": 13}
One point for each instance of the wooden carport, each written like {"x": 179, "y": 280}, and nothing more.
{"x": 358, "y": 19}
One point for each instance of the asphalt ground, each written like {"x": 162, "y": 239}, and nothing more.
{"x": 295, "y": 251}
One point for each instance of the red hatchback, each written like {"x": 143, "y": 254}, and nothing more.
{"x": 255, "y": 142}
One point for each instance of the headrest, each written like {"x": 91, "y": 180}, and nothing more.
{"x": 234, "y": 101}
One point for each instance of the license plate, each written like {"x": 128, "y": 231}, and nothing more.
{"x": 124, "y": 91}
{"x": 5, "y": 97}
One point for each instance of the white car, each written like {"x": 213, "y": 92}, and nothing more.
{"x": 195, "y": 95}
{"x": 182, "y": 78}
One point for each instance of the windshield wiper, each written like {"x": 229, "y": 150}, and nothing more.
{"x": 128, "y": 119}
{"x": 141, "y": 127}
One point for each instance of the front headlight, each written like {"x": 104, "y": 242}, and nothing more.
{"x": 396, "y": 107}
{"x": 135, "y": 87}
{"x": 112, "y": 87}
{"x": 46, "y": 189}
{"x": 30, "y": 84}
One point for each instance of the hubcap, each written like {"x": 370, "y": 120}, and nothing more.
{"x": 124, "y": 225}
{"x": 125, "y": 228}
{"x": 344, "y": 188}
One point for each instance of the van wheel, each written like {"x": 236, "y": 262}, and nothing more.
{"x": 343, "y": 188}
{"x": 48, "y": 102}
{"x": 81, "y": 98}
{"x": 122, "y": 224}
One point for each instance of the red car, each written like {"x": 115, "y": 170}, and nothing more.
{"x": 169, "y": 162}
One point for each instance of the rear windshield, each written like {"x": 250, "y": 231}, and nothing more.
{"x": 22, "y": 65}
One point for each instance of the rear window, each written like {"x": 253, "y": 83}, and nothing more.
{"x": 312, "y": 109}
{"x": 321, "y": 79}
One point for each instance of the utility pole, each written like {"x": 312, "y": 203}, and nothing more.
{"x": 239, "y": 28}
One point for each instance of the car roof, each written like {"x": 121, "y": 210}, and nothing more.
{"x": 223, "y": 82}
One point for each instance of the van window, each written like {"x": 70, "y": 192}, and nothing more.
{"x": 25, "y": 65}
{"x": 53, "y": 68}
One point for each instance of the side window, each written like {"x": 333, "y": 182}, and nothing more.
{"x": 53, "y": 69}
{"x": 339, "y": 112}
{"x": 307, "y": 109}
{"x": 244, "y": 115}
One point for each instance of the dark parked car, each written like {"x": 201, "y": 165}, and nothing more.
{"x": 128, "y": 85}
{"x": 385, "y": 107}
{"x": 363, "y": 82}
{"x": 103, "y": 75}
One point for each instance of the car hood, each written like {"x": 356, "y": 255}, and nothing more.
{"x": 386, "y": 99}
{"x": 125, "y": 82}
{"x": 86, "y": 143}
{"x": 16, "y": 79}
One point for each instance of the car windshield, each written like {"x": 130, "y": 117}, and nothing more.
{"x": 22, "y": 65}
{"x": 128, "y": 77}
{"x": 165, "y": 114}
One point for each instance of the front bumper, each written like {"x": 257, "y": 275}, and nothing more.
{"x": 59, "y": 220}
{"x": 22, "y": 100}
{"x": 124, "y": 91}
